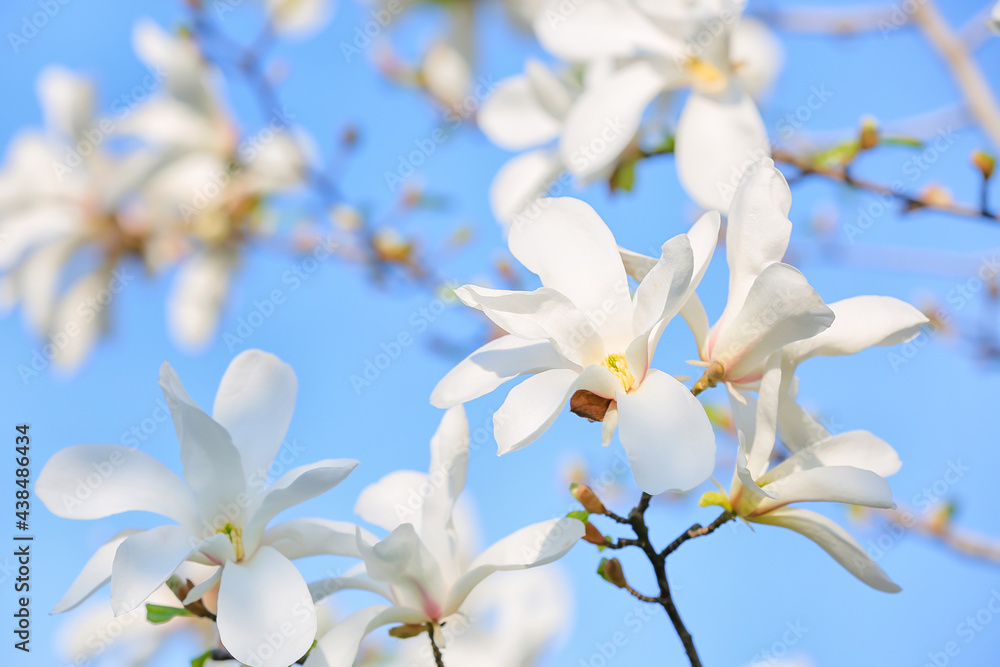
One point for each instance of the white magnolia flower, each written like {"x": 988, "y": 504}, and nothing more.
{"x": 421, "y": 567}
{"x": 994, "y": 21}
{"x": 582, "y": 335}
{"x": 663, "y": 45}
{"x": 298, "y": 17}
{"x": 221, "y": 508}
{"x": 527, "y": 111}
{"x": 509, "y": 620}
{"x": 845, "y": 468}
{"x": 209, "y": 194}
{"x": 770, "y": 303}
{"x": 66, "y": 219}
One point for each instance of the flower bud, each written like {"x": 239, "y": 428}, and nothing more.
{"x": 586, "y": 497}
{"x": 869, "y": 133}
{"x": 984, "y": 162}
{"x": 611, "y": 571}
{"x": 594, "y": 536}
{"x": 407, "y": 630}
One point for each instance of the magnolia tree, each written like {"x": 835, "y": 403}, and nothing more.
{"x": 176, "y": 183}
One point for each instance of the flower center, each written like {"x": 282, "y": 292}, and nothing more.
{"x": 619, "y": 368}
{"x": 235, "y": 535}
{"x": 707, "y": 77}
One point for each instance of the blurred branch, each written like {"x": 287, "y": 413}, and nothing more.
{"x": 938, "y": 527}
{"x": 963, "y": 66}
{"x": 911, "y": 202}
{"x": 835, "y": 20}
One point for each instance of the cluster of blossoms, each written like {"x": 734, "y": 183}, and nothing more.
{"x": 583, "y": 338}
{"x": 165, "y": 178}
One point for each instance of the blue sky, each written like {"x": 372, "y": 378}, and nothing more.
{"x": 739, "y": 589}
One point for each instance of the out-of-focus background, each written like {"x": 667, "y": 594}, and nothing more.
{"x": 748, "y": 596}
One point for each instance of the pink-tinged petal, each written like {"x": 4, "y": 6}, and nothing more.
{"x": 143, "y": 562}
{"x": 718, "y": 138}
{"x": 94, "y": 574}
{"x": 574, "y": 253}
{"x": 403, "y": 561}
{"x": 493, "y": 364}
{"x": 535, "y": 545}
{"x": 340, "y": 646}
{"x": 301, "y": 538}
{"x": 781, "y": 307}
{"x": 861, "y": 322}
{"x": 605, "y": 119}
{"x": 254, "y": 403}
{"x": 294, "y": 487}
{"x": 95, "y": 481}
{"x": 666, "y": 434}
{"x": 266, "y": 615}
{"x": 521, "y": 182}
{"x": 212, "y": 464}
{"x": 514, "y": 118}
{"x": 542, "y": 315}
{"x": 835, "y": 541}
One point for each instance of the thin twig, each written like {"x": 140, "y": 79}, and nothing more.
{"x": 806, "y": 167}
{"x": 438, "y": 660}
{"x": 960, "y": 541}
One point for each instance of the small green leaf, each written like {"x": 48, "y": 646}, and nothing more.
{"x": 624, "y": 177}
{"x": 902, "y": 141}
{"x": 582, "y": 515}
{"x": 159, "y": 614}
{"x": 202, "y": 659}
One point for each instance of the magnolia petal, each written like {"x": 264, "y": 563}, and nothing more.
{"x": 298, "y": 17}
{"x": 301, "y": 538}
{"x": 717, "y": 139}
{"x": 254, "y": 403}
{"x": 339, "y": 647}
{"x": 781, "y": 307}
{"x": 532, "y": 546}
{"x": 95, "y": 481}
{"x": 758, "y": 51}
{"x": 765, "y": 425}
{"x": 600, "y": 29}
{"x": 198, "y": 592}
{"x": 532, "y": 406}
{"x": 143, "y": 562}
{"x": 521, "y": 182}
{"x": 514, "y": 118}
{"x": 759, "y": 229}
{"x": 66, "y": 317}
{"x": 693, "y": 312}
{"x": 605, "y": 119}
{"x": 403, "y": 561}
{"x": 212, "y": 464}
{"x": 574, "y": 253}
{"x": 294, "y": 487}
{"x": 835, "y": 541}
{"x": 359, "y": 582}
{"x": 94, "y": 574}
{"x": 196, "y": 300}
{"x": 68, "y": 102}
{"x": 394, "y": 499}
{"x": 662, "y": 291}
{"x": 834, "y": 484}
{"x": 493, "y": 364}
{"x": 861, "y": 322}
{"x": 450, "y": 453}
{"x": 544, "y": 314}
{"x": 609, "y": 425}
{"x": 858, "y": 449}
{"x": 666, "y": 434}
{"x": 261, "y": 599}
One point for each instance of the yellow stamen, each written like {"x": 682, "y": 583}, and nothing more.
{"x": 618, "y": 366}
{"x": 235, "y": 535}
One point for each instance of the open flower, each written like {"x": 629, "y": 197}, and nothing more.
{"x": 582, "y": 336}
{"x": 663, "y": 46}
{"x": 421, "y": 566}
{"x": 221, "y": 508}
{"x": 845, "y": 468}
{"x": 770, "y": 304}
